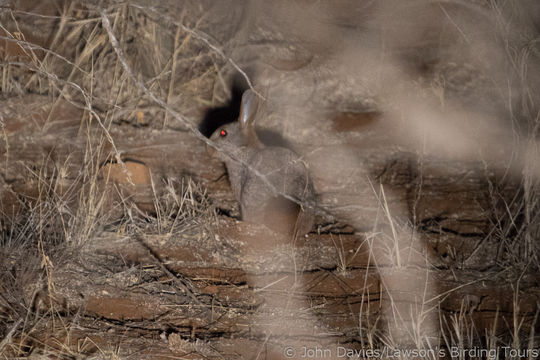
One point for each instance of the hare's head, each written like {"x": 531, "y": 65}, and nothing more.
{"x": 240, "y": 134}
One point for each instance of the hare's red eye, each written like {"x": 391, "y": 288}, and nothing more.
{"x": 223, "y": 132}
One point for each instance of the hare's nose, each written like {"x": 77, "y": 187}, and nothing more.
{"x": 210, "y": 150}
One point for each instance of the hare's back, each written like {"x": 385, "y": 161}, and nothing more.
{"x": 284, "y": 169}
{"x": 272, "y": 160}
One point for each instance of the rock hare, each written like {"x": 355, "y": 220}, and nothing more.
{"x": 281, "y": 167}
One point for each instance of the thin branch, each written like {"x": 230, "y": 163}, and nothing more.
{"x": 7, "y": 339}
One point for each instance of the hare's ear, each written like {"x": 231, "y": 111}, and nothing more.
{"x": 248, "y": 109}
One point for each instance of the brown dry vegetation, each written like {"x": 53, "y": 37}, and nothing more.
{"x": 120, "y": 237}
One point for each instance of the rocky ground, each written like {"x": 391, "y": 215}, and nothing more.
{"x": 121, "y": 237}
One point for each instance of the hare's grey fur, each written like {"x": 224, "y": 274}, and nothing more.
{"x": 281, "y": 167}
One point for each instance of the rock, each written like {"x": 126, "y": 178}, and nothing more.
{"x": 131, "y": 172}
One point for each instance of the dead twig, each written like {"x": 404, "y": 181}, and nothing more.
{"x": 7, "y": 339}
{"x": 178, "y": 281}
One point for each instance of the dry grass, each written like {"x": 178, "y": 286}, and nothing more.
{"x": 172, "y": 69}
{"x": 68, "y": 208}
{"x": 182, "y": 206}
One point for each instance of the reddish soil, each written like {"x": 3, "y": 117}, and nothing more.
{"x": 171, "y": 271}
